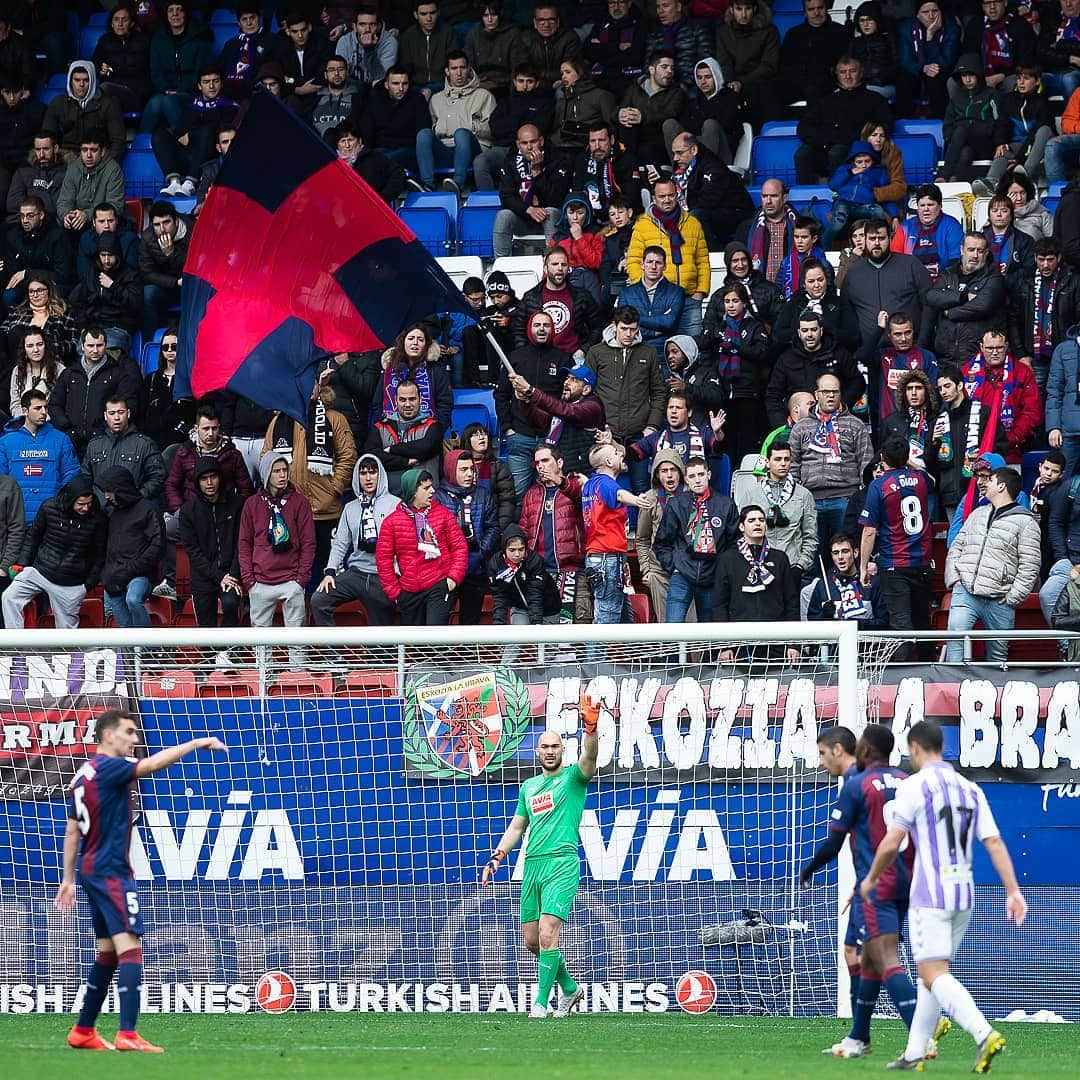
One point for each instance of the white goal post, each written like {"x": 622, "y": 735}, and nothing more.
{"x": 330, "y": 861}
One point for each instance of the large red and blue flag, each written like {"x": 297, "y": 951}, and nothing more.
{"x": 294, "y": 258}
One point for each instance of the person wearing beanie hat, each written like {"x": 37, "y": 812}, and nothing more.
{"x": 480, "y": 363}
{"x": 523, "y": 593}
{"x": 209, "y": 528}
{"x": 277, "y": 547}
{"x": 473, "y": 507}
{"x": 62, "y": 556}
{"x": 766, "y": 298}
{"x": 421, "y": 553}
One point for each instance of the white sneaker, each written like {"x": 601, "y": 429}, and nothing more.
{"x": 568, "y": 1004}
{"x": 186, "y": 187}
{"x": 538, "y": 1012}
{"x": 848, "y": 1047}
{"x": 172, "y": 187}
{"x": 163, "y": 588}
{"x": 224, "y": 660}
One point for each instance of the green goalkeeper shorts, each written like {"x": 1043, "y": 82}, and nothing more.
{"x": 549, "y": 885}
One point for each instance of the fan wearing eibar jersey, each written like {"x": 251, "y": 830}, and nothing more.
{"x": 96, "y": 842}
{"x": 861, "y": 814}
{"x": 943, "y": 813}
{"x": 550, "y": 806}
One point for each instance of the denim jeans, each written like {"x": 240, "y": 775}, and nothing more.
{"x": 1064, "y": 83}
{"x": 842, "y": 210}
{"x": 431, "y": 151}
{"x": 164, "y": 109}
{"x": 606, "y": 574}
{"x": 519, "y": 459}
{"x": 830, "y": 519}
{"x": 680, "y": 595}
{"x": 965, "y": 611}
{"x": 690, "y": 319}
{"x": 1060, "y": 153}
{"x": 129, "y": 609}
{"x": 1054, "y": 585}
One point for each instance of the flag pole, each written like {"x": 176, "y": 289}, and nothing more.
{"x": 494, "y": 343}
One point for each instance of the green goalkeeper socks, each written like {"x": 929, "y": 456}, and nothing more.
{"x": 550, "y": 960}
{"x": 566, "y": 983}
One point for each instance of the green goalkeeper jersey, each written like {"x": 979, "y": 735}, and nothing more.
{"x": 553, "y": 805}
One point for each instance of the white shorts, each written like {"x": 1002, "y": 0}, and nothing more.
{"x": 935, "y": 934}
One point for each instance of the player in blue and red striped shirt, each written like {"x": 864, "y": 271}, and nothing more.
{"x": 897, "y": 537}
{"x": 96, "y": 843}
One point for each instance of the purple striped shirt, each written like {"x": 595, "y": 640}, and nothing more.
{"x": 944, "y": 813}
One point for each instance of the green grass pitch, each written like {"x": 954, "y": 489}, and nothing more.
{"x": 611, "y": 1047}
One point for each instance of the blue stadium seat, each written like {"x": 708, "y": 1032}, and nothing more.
{"x": 785, "y": 20}
{"x": 88, "y": 39}
{"x": 222, "y": 34}
{"x": 922, "y": 127}
{"x": 148, "y": 361}
{"x": 45, "y": 94}
{"x": 445, "y": 200}
{"x": 464, "y": 415}
{"x": 57, "y": 81}
{"x": 920, "y": 157}
{"x": 1029, "y": 466}
{"x": 142, "y": 174}
{"x": 774, "y": 157}
{"x": 223, "y": 17}
{"x": 474, "y": 227}
{"x": 779, "y": 127}
{"x": 431, "y": 226}
{"x": 804, "y": 194}
{"x": 139, "y": 141}
{"x": 483, "y": 198}
{"x": 479, "y": 397}
{"x": 1050, "y": 202}
{"x": 98, "y": 18}
{"x": 1057, "y": 188}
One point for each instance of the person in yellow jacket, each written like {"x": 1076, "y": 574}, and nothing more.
{"x": 321, "y": 456}
{"x": 667, "y": 225}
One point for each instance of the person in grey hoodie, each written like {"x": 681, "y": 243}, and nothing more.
{"x": 350, "y": 572}
{"x": 84, "y": 108}
{"x": 369, "y": 49}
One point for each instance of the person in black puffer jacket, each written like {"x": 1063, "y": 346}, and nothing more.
{"x": 687, "y": 39}
{"x": 122, "y": 58}
{"x": 874, "y": 46}
{"x": 136, "y": 541}
{"x": 62, "y": 556}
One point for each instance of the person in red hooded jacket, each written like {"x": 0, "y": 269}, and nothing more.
{"x": 421, "y": 553}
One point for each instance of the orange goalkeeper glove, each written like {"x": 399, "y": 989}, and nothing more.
{"x": 590, "y": 712}
{"x": 491, "y": 866}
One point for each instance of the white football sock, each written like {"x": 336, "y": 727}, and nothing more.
{"x": 923, "y": 1023}
{"x": 954, "y": 998}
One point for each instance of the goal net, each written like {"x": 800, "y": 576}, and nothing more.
{"x": 331, "y": 860}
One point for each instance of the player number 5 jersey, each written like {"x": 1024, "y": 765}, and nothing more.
{"x": 553, "y": 805}
{"x": 101, "y": 807}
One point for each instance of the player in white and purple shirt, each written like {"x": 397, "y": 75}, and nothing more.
{"x": 897, "y": 536}
{"x": 862, "y": 813}
{"x": 96, "y": 843}
{"x": 943, "y": 812}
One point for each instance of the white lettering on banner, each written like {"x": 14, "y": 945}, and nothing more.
{"x": 271, "y": 845}
{"x": 1019, "y": 719}
{"x": 1062, "y": 791}
{"x": 978, "y": 729}
{"x": 342, "y": 996}
{"x": 1062, "y": 736}
{"x": 684, "y": 750}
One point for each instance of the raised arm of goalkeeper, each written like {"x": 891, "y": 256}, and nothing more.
{"x": 586, "y": 763}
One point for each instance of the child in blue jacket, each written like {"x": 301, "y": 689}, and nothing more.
{"x": 854, "y": 182}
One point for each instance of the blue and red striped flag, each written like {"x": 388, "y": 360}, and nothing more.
{"x": 294, "y": 258}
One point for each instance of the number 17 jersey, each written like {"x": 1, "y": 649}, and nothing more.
{"x": 898, "y": 506}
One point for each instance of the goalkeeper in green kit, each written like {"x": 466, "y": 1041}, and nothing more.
{"x": 550, "y": 806}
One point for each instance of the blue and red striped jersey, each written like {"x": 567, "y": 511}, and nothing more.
{"x": 860, "y": 812}
{"x": 101, "y": 806}
{"x": 898, "y": 506}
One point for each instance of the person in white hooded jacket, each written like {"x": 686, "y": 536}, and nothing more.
{"x": 350, "y": 573}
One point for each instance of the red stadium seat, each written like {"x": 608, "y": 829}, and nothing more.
{"x": 351, "y": 613}
{"x": 641, "y": 607}
{"x": 170, "y": 684}
{"x": 368, "y": 684}
{"x": 183, "y": 572}
{"x": 302, "y": 684}
{"x": 237, "y": 682}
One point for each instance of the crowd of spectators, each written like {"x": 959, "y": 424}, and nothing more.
{"x": 736, "y": 409}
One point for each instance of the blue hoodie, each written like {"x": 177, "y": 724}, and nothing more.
{"x": 41, "y": 464}
{"x": 859, "y": 187}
